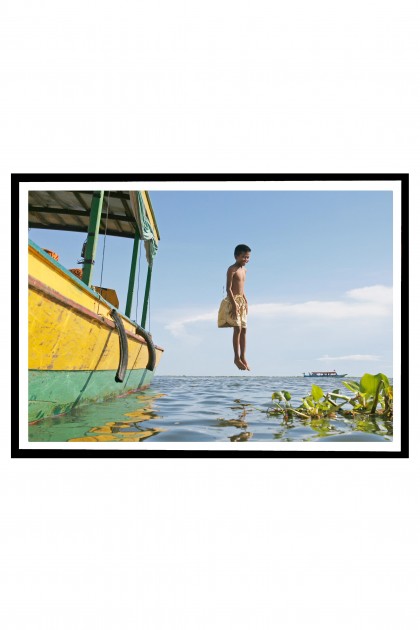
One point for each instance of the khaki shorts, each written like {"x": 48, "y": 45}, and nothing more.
{"x": 225, "y": 319}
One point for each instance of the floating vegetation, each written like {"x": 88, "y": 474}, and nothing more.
{"x": 372, "y": 397}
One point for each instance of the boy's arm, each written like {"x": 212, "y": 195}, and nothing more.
{"x": 229, "y": 279}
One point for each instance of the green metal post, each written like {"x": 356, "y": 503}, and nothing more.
{"x": 92, "y": 238}
{"x": 146, "y": 297}
{"x": 134, "y": 259}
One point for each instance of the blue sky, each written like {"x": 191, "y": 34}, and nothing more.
{"x": 319, "y": 281}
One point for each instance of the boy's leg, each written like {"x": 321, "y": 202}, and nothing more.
{"x": 236, "y": 348}
{"x": 242, "y": 348}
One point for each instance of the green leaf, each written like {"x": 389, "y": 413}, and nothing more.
{"x": 369, "y": 383}
{"x": 286, "y": 394}
{"x": 317, "y": 393}
{"x": 384, "y": 378}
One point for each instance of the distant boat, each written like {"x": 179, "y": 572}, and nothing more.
{"x": 333, "y": 373}
{"x": 82, "y": 347}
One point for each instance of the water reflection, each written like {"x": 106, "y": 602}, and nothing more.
{"x": 241, "y": 437}
{"x": 380, "y": 426}
{"x": 117, "y": 432}
{"x": 240, "y": 422}
{"x": 322, "y": 427}
{"x": 117, "y": 420}
{"x": 127, "y": 431}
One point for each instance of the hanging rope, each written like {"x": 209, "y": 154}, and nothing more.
{"x": 103, "y": 250}
{"x": 138, "y": 286}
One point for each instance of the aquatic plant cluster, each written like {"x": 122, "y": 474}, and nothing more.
{"x": 373, "y": 396}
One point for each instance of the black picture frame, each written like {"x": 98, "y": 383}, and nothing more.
{"x": 19, "y": 328}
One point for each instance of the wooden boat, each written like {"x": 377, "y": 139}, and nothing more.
{"x": 82, "y": 348}
{"x": 330, "y": 374}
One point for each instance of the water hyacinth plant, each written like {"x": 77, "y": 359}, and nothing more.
{"x": 372, "y": 396}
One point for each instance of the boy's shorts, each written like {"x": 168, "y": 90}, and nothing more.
{"x": 225, "y": 319}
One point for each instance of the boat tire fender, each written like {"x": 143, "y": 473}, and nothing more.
{"x": 122, "y": 367}
{"x": 150, "y": 346}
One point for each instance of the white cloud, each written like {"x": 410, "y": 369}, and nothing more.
{"x": 351, "y": 357}
{"x": 374, "y": 301}
{"x": 364, "y": 303}
{"x": 376, "y": 293}
{"x": 177, "y": 327}
{"x": 321, "y": 309}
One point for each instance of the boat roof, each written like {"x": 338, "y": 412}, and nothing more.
{"x": 323, "y": 372}
{"x": 70, "y": 210}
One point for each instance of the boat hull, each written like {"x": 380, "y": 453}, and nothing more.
{"x": 74, "y": 343}
{"x": 55, "y": 392}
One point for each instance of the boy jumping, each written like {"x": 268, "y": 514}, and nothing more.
{"x": 233, "y": 309}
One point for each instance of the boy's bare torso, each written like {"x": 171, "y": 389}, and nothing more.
{"x": 238, "y": 278}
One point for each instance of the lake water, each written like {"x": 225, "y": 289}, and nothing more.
{"x": 208, "y": 409}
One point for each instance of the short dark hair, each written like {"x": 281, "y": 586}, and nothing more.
{"x": 239, "y": 249}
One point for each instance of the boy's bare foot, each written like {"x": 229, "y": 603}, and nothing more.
{"x": 239, "y": 364}
{"x": 245, "y": 363}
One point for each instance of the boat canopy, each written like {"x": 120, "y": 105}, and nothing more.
{"x": 328, "y": 372}
{"x": 70, "y": 211}
{"x": 117, "y": 213}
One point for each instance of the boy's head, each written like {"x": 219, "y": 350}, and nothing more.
{"x": 241, "y": 254}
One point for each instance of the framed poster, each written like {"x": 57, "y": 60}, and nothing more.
{"x": 207, "y": 315}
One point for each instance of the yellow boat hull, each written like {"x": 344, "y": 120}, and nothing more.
{"x": 74, "y": 344}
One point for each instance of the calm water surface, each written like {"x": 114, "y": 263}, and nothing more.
{"x": 207, "y": 409}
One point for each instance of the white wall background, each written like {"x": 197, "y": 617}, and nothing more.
{"x": 188, "y": 87}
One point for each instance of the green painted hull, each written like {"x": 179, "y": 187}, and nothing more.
{"x": 54, "y": 392}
